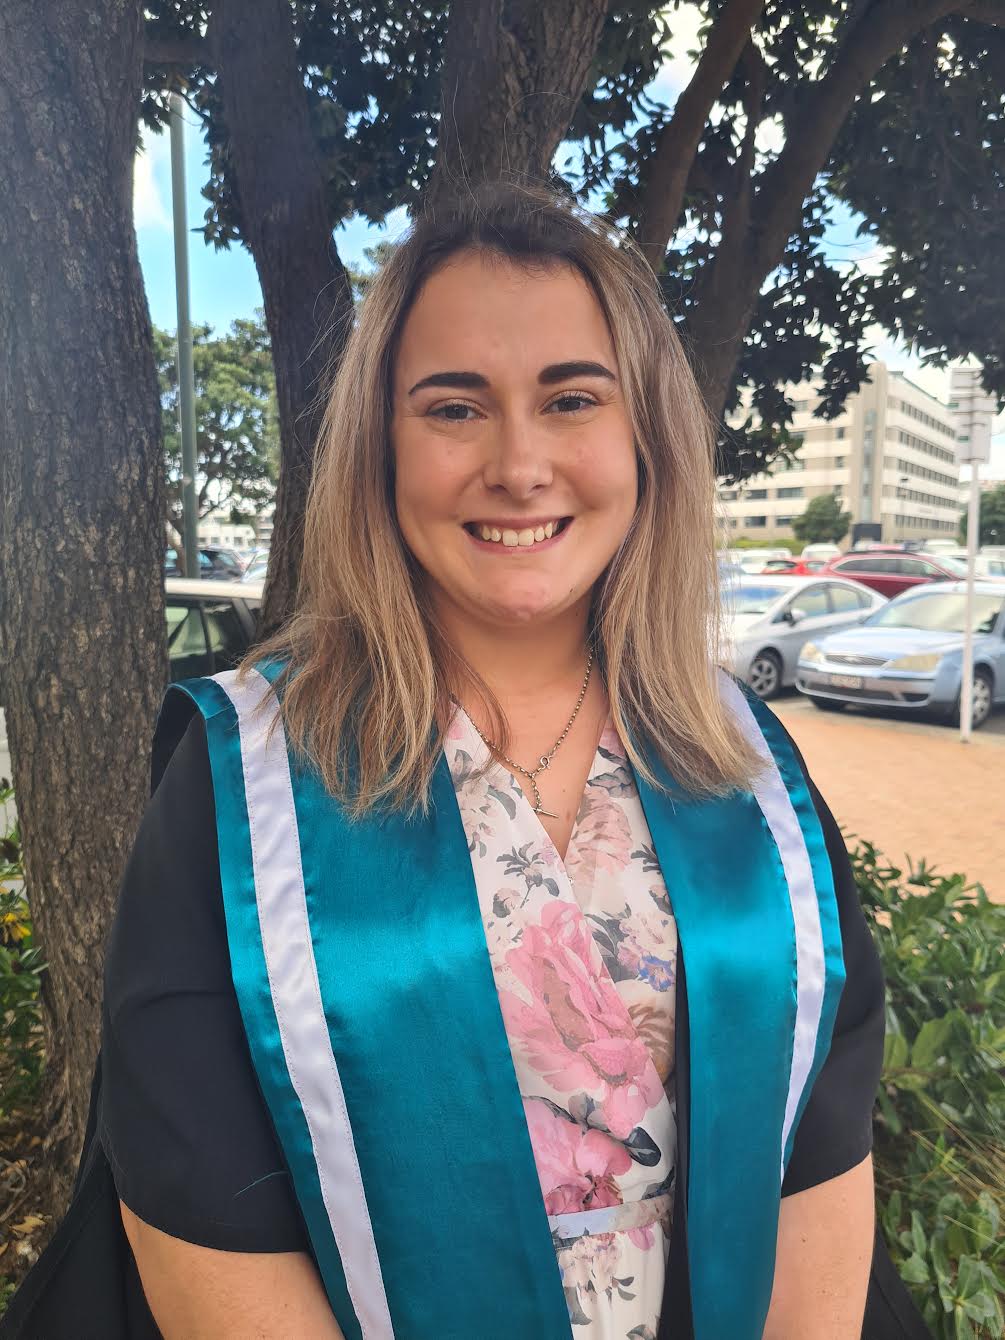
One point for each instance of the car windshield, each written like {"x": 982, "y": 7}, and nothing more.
{"x": 939, "y": 612}
{"x": 752, "y": 599}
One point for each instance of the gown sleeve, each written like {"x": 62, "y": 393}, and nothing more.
{"x": 182, "y": 1122}
{"x": 835, "y": 1132}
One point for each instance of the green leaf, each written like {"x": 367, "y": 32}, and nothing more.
{"x": 915, "y": 1270}
{"x": 929, "y": 1045}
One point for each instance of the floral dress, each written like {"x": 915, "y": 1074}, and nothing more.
{"x": 584, "y": 953}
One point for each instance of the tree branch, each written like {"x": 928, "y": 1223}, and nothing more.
{"x": 666, "y": 179}
{"x": 821, "y": 112}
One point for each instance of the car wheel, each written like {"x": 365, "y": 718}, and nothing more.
{"x": 981, "y": 703}
{"x": 827, "y": 704}
{"x": 982, "y": 699}
{"x": 765, "y": 675}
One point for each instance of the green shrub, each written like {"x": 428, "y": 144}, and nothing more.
{"x": 21, "y": 1053}
{"x": 940, "y": 1123}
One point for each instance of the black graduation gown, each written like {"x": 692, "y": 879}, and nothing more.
{"x": 86, "y": 1284}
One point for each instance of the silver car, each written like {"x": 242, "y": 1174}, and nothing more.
{"x": 769, "y": 618}
{"x": 909, "y": 655}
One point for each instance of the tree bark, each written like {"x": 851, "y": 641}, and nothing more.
{"x": 513, "y": 74}
{"x": 279, "y": 181}
{"x": 81, "y": 511}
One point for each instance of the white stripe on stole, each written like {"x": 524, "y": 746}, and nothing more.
{"x": 296, "y": 993}
{"x": 776, "y": 806}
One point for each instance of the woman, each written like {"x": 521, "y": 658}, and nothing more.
{"x": 397, "y": 1036}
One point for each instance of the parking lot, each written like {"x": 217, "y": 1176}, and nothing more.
{"x": 910, "y": 787}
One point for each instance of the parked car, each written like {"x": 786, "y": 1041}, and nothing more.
{"x": 769, "y": 619}
{"x": 213, "y": 562}
{"x": 821, "y": 549}
{"x": 793, "y": 567}
{"x": 210, "y": 624}
{"x": 891, "y": 571}
{"x": 909, "y": 655}
{"x": 753, "y": 560}
{"x": 257, "y": 567}
{"x": 986, "y": 565}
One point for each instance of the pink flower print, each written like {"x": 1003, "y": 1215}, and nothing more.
{"x": 576, "y": 1031}
{"x": 642, "y": 1237}
{"x": 601, "y": 840}
{"x": 577, "y": 1167}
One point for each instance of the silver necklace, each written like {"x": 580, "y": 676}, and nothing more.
{"x": 544, "y": 761}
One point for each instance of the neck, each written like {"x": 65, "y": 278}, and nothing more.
{"x": 521, "y": 664}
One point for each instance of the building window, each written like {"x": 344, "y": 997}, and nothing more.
{"x": 757, "y": 494}
{"x": 790, "y": 493}
{"x": 839, "y": 434}
{"x": 783, "y": 521}
{"x": 756, "y": 521}
{"x": 839, "y": 462}
{"x": 727, "y": 495}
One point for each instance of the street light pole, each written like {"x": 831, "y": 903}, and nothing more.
{"x": 186, "y": 378}
{"x": 972, "y": 411}
{"x": 973, "y": 534}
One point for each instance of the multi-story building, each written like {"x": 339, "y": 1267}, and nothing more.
{"x": 890, "y": 457}
{"x": 216, "y": 528}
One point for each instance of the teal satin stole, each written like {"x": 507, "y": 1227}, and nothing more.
{"x": 367, "y": 994}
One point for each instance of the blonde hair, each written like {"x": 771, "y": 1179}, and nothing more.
{"x": 366, "y": 692}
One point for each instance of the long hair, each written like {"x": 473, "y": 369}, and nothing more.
{"x": 369, "y": 679}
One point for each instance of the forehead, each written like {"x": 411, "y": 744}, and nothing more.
{"x": 485, "y": 313}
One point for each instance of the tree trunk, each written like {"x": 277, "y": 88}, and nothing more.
{"x": 513, "y": 74}
{"x": 308, "y": 301}
{"x": 81, "y": 516}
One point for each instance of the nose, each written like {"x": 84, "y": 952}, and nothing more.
{"x": 519, "y": 460}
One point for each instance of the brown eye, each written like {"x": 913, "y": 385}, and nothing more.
{"x": 445, "y": 412}
{"x": 572, "y": 403}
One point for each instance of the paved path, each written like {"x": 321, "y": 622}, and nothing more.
{"x": 909, "y": 787}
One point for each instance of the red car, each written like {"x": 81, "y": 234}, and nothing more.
{"x": 793, "y": 567}
{"x": 890, "y": 571}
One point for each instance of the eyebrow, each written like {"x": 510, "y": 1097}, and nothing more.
{"x": 549, "y": 376}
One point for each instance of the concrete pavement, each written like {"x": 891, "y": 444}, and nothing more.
{"x": 909, "y": 787}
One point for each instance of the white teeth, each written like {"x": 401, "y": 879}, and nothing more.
{"x": 549, "y": 530}
{"x": 486, "y": 532}
{"x": 510, "y": 539}
{"x": 526, "y": 538}
{"x": 496, "y": 534}
{"x": 539, "y": 533}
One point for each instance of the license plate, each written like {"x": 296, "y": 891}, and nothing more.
{"x": 845, "y": 681}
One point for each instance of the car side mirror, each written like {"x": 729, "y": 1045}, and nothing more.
{"x": 794, "y": 616}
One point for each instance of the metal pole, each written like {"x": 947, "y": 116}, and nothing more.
{"x": 973, "y": 536}
{"x": 186, "y": 379}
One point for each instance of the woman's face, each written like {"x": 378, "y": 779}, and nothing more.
{"x": 516, "y": 475}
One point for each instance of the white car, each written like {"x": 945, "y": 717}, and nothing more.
{"x": 821, "y": 550}
{"x": 769, "y": 619}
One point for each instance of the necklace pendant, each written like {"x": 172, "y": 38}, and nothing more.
{"x": 548, "y": 814}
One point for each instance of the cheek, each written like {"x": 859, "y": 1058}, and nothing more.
{"x": 429, "y": 486}
{"x": 609, "y": 477}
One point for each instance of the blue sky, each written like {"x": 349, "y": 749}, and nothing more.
{"x": 224, "y": 284}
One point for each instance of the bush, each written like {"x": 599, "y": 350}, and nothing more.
{"x": 940, "y": 1121}
{"x": 21, "y": 1053}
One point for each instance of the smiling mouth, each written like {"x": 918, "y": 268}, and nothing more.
{"x": 513, "y": 537}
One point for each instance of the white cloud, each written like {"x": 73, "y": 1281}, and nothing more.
{"x": 150, "y": 206}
